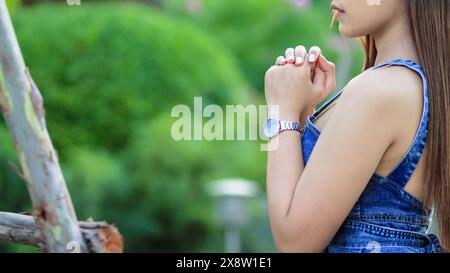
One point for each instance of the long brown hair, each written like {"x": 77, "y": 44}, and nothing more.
{"x": 430, "y": 29}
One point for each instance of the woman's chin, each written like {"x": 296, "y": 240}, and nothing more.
{"x": 349, "y": 33}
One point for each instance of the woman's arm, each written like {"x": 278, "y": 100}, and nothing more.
{"x": 307, "y": 205}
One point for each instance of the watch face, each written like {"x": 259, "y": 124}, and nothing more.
{"x": 271, "y": 127}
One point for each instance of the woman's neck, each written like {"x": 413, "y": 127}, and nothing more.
{"x": 394, "y": 41}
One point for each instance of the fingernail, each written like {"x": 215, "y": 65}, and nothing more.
{"x": 312, "y": 57}
{"x": 299, "y": 60}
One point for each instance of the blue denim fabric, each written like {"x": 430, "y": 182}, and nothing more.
{"x": 386, "y": 218}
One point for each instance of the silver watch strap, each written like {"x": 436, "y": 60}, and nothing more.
{"x": 289, "y": 125}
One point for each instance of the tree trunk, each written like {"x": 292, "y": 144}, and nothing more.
{"x": 22, "y": 107}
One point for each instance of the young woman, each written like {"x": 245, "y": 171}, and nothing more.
{"x": 373, "y": 162}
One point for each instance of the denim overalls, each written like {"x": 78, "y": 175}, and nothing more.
{"x": 386, "y": 218}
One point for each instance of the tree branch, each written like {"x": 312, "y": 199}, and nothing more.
{"x": 22, "y": 229}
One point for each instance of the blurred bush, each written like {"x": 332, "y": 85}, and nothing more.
{"x": 104, "y": 69}
{"x": 257, "y": 31}
{"x": 13, "y": 191}
{"x": 13, "y": 4}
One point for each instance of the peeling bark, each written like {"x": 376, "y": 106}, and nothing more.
{"x": 22, "y": 107}
{"x": 22, "y": 229}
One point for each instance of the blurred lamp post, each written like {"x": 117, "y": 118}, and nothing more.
{"x": 231, "y": 195}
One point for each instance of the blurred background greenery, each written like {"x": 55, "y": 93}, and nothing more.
{"x": 110, "y": 73}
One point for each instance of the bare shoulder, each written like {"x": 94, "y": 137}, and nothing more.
{"x": 395, "y": 89}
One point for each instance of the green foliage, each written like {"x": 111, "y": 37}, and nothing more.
{"x": 156, "y": 191}
{"x": 169, "y": 194}
{"x": 257, "y": 31}
{"x": 105, "y": 68}
{"x": 13, "y": 190}
{"x": 13, "y": 4}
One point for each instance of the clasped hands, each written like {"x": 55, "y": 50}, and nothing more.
{"x": 297, "y": 82}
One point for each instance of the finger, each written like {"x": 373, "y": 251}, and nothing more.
{"x": 319, "y": 77}
{"x": 300, "y": 55}
{"x": 281, "y": 60}
{"x": 314, "y": 53}
{"x": 329, "y": 69}
{"x": 319, "y": 84}
{"x": 322, "y": 85}
{"x": 290, "y": 55}
{"x": 330, "y": 83}
{"x": 324, "y": 64}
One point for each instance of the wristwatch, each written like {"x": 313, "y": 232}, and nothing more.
{"x": 273, "y": 127}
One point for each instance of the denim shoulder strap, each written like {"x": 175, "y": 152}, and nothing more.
{"x": 326, "y": 104}
{"x": 405, "y": 168}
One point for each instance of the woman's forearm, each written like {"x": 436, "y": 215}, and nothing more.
{"x": 284, "y": 169}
